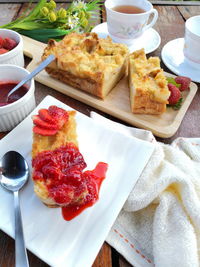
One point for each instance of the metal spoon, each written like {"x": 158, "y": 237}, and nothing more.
{"x": 14, "y": 173}
{"x": 44, "y": 63}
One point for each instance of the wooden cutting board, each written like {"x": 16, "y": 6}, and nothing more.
{"x": 117, "y": 103}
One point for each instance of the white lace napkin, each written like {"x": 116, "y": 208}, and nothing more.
{"x": 159, "y": 224}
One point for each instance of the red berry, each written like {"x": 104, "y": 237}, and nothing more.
{"x": 41, "y": 123}
{"x": 3, "y": 51}
{"x": 9, "y": 43}
{"x": 175, "y": 94}
{"x": 43, "y": 131}
{"x": 184, "y": 81}
{"x": 58, "y": 114}
{"x": 1, "y": 42}
{"x": 45, "y": 116}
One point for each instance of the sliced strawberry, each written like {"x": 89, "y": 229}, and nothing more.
{"x": 184, "y": 81}
{"x": 3, "y": 51}
{"x": 43, "y": 131}
{"x": 175, "y": 94}
{"x": 44, "y": 115}
{"x": 41, "y": 123}
{"x": 9, "y": 43}
{"x": 58, "y": 114}
{"x": 49, "y": 121}
{"x": 1, "y": 42}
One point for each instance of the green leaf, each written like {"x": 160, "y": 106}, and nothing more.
{"x": 36, "y": 10}
{"x": 28, "y": 25}
{"x": 172, "y": 81}
{"x": 44, "y": 35}
{"x": 177, "y": 105}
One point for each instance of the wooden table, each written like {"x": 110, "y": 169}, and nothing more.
{"x": 170, "y": 25}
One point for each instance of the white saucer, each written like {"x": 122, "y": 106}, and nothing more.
{"x": 149, "y": 40}
{"x": 172, "y": 56}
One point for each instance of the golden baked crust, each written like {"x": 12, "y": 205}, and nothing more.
{"x": 149, "y": 92}
{"x": 87, "y": 62}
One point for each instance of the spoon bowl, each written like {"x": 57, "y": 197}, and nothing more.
{"x": 14, "y": 173}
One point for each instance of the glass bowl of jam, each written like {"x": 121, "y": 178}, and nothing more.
{"x": 15, "y": 108}
{"x": 11, "y": 48}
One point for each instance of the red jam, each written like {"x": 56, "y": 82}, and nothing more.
{"x": 93, "y": 179}
{"x": 5, "y": 88}
{"x": 67, "y": 184}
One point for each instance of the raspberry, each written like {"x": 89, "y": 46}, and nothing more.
{"x": 184, "y": 81}
{"x": 175, "y": 94}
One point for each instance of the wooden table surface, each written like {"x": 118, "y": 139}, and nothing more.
{"x": 170, "y": 25}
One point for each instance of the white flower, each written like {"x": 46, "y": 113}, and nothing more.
{"x": 73, "y": 21}
{"x": 79, "y": 4}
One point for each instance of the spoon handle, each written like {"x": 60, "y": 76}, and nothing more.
{"x": 21, "y": 259}
{"x": 42, "y": 65}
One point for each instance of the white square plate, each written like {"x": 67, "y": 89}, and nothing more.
{"x": 77, "y": 242}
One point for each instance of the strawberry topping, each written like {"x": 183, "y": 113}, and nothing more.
{"x": 43, "y": 131}
{"x": 184, "y": 81}
{"x": 61, "y": 171}
{"x": 45, "y": 116}
{"x": 43, "y": 124}
{"x": 49, "y": 121}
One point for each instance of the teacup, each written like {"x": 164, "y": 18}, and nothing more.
{"x": 192, "y": 42}
{"x": 125, "y": 27}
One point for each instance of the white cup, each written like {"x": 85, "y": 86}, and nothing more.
{"x": 123, "y": 27}
{"x": 192, "y": 42}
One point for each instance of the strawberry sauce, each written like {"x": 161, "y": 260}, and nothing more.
{"x": 5, "y": 88}
{"x": 61, "y": 170}
{"x": 93, "y": 179}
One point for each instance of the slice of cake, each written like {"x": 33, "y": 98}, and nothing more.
{"x": 148, "y": 85}
{"x": 58, "y": 165}
{"x": 87, "y": 62}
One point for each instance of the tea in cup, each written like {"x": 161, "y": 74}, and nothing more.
{"x": 192, "y": 42}
{"x": 128, "y": 19}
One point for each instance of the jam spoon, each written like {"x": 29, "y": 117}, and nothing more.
{"x": 14, "y": 173}
{"x": 39, "y": 68}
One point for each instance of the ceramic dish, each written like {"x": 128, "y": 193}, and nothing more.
{"x": 149, "y": 40}
{"x": 14, "y": 56}
{"x": 173, "y": 57}
{"x": 12, "y": 114}
{"x": 76, "y": 242}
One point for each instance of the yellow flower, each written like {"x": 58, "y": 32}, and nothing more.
{"x": 62, "y": 13}
{"x": 52, "y": 16}
{"x": 44, "y": 11}
{"x": 81, "y": 14}
{"x": 84, "y": 22}
{"x": 52, "y": 4}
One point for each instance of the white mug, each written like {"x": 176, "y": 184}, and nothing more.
{"x": 124, "y": 27}
{"x": 192, "y": 42}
